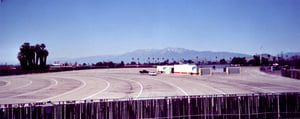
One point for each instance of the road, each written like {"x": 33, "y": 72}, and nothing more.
{"x": 127, "y": 83}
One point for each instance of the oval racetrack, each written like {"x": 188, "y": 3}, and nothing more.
{"x": 127, "y": 83}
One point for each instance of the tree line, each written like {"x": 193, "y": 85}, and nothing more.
{"x": 35, "y": 57}
{"x": 257, "y": 60}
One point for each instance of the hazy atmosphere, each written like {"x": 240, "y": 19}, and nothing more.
{"x": 76, "y": 28}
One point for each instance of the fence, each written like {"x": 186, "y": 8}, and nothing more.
{"x": 292, "y": 73}
{"x": 262, "y": 106}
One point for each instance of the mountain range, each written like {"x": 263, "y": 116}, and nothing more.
{"x": 157, "y": 55}
{"x": 154, "y": 55}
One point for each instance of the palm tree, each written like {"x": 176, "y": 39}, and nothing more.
{"x": 132, "y": 60}
{"x": 37, "y": 54}
{"x": 46, "y": 53}
{"x": 43, "y": 56}
{"x": 43, "y": 46}
{"x": 23, "y": 55}
{"x": 30, "y": 56}
{"x": 22, "y": 59}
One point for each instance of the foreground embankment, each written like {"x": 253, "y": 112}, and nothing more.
{"x": 262, "y": 106}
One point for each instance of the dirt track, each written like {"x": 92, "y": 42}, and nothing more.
{"x": 124, "y": 83}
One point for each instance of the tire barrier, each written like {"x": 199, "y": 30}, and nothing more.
{"x": 292, "y": 73}
{"x": 233, "y": 70}
{"x": 205, "y": 71}
{"x": 229, "y": 106}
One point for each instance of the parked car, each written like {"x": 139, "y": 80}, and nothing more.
{"x": 152, "y": 73}
{"x": 144, "y": 72}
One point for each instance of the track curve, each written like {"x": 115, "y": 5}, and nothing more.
{"x": 127, "y": 83}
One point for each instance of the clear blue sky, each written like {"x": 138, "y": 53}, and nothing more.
{"x": 75, "y": 28}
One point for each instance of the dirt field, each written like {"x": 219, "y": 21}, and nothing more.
{"x": 125, "y": 83}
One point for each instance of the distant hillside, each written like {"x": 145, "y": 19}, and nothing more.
{"x": 143, "y": 55}
{"x": 290, "y": 54}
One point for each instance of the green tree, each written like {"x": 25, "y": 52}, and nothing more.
{"x": 238, "y": 60}
{"x": 223, "y": 61}
{"x": 122, "y": 64}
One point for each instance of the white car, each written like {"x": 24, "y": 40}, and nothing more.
{"x": 152, "y": 73}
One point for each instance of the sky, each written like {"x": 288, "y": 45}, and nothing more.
{"x": 79, "y": 28}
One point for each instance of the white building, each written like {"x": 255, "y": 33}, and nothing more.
{"x": 165, "y": 69}
{"x": 192, "y": 69}
{"x": 186, "y": 69}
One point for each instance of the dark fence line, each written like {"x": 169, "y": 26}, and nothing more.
{"x": 292, "y": 73}
{"x": 262, "y": 106}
